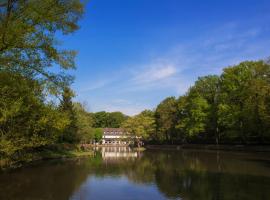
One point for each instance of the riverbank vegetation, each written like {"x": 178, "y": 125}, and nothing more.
{"x": 233, "y": 108}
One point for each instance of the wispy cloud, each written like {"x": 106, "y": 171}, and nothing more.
{"x": 154, "y": 72}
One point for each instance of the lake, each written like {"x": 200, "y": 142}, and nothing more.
{"x": 118, "y": 173}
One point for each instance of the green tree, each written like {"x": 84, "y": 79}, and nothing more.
{"x": 166, "y": 117}
{"x": 98, "y": 133}
{"x": 70, "y": 135}
{"x": 115, "y": 119}
{"x": 104, "y": 119}
{"x": 195, "y": 117}
{"x": 26, "y": 122}
{"x": 100, "y": 119}
{"x": 140, "y": 127}
{"x": 28, "y": 43}
{"x": 84, "y": 124}
{"x": 245, "y": 90}
{"x": 207, "y": 87}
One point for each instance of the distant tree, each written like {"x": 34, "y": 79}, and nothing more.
{"x": 100, "y": 119}
{"x": 115, "y": 119}
{"x": 106, "y": 119}
{"x": 140, "y": 127}
{"x": 166, "y": 117}
{"x": 98, "y": 133}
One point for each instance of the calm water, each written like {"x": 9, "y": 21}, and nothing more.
{"x": 120, "y": 174}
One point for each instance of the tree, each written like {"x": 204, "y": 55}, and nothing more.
{"x": 26, "y": 122}
{"x": 245, "y": 90}
{"x": 140, "y": 127}
{"x": 104, "y": 119}
{"x": 100, "y": 119}
{"x": 98, "y": 133}
{"x": 84, "y": 123}
{"x": 197, "y": 116}
{"x": 207, "y": 87}
{"x": 28, "y": 44}
{"x": 165, "y": 115}
{"x": 115, "y": 119}
{"x": 66, "y": 106}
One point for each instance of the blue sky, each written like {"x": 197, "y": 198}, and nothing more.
{"x": 135, "y": 53}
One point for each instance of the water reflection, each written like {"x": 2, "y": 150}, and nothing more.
{"x": 117, "y": 152}
{"x": 125, "y": 174}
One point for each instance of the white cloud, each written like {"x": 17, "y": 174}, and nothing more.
{"x": 155, "y": 72}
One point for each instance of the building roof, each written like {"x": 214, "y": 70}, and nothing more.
{"x": 113, "y": 131}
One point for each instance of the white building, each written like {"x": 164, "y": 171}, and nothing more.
{"x": 115, "y": 136}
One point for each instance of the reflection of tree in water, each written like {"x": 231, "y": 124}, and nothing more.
{"x": 193, "y": 175}
{"x": 50, "y": 180}
{"x": 187, "y": 174}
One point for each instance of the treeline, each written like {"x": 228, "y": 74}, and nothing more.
{"x": 231, "y": 108}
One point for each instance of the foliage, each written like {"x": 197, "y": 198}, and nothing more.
{"x": 26, "y": 122}
{"x": 29, "y": 56}
{"x": 98, "y": 133}
{"x": 165, "y": 116}
{"x": 233, "y": 107}
{"x": 28, "y": 44}
{"x": 106, "y": 119}
{"x": 83, "y": 124}
{"x": 141, "y": 127}
{"x": 70, "y": 134}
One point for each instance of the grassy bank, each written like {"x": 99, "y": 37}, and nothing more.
{"x": 55, "y": 152}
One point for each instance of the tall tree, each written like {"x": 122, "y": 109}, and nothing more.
{"x": 245, "y": 90}
{"x": 165, "y": 115}
{"x": 66, "y": 106}
{"x": 207, "y": 87}
{"x": 84, "y": 123}
{"x": 194, "y": 116}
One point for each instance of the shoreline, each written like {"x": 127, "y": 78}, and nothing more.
{"x": 43, "y": 156}
{"x": 240, "y": 148}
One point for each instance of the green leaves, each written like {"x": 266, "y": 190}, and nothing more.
{"x": 28, "y": 43}
{"x": 165, "y": 115}
{"x": 26, "y": 122}
{"x": 104, "y": 119}
{"x": 141, "y": 126}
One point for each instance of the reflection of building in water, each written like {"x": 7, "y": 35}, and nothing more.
{"x": 116, "y": 152}
{"x": 115, "y": 136}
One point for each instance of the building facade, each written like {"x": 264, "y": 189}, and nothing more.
{"x": 115, "y": 136}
